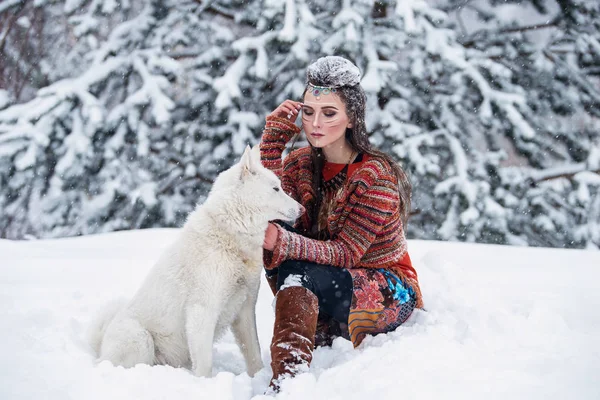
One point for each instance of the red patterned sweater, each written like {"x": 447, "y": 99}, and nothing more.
{"x": 365, "y": 225}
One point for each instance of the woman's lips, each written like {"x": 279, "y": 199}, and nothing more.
{"x": 316, "y": 135}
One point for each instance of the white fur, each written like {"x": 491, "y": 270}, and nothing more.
{"x": 205, "y": 282}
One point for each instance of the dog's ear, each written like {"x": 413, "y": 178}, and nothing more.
{"x": 246, "y": 162}
{"x": 255, "y": 154}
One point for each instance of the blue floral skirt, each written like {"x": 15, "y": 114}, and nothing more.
{"x": 381, "y": 302}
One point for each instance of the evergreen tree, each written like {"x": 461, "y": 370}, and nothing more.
{"x": 496, "y": 119}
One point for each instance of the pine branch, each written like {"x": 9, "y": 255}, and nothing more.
{"x": 184, "y": 53}
{"x": 23, "y": 51}
{"x": 461, "y": 22}
{"x": 563, "y": 172}
{"x": 551, "y": 24}
{"x": 175, "y": 182}
{"x": 178, "y": 163}
{"x": 209, "y": 7}
{"x": 591, "y": 71}
{"x": 414, "y": 212}
{"x": 472, "y": 37}
{"x": 15, "y": 16}
{"x": 580, "y": 80}
{"x": 564, "y": 175}
{"x": 8, "y": 4}
{"x": 448, "y": 8}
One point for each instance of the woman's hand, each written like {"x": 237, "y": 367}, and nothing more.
{"x": 270, "y": 237}
{"x": 288, "y": 109}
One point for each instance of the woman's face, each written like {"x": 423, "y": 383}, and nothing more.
{"x": 325, "y": 120}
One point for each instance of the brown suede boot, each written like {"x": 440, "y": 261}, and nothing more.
{"x": 296, "y": 311}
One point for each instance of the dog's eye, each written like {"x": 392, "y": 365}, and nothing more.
{"x": 276, "y": 189}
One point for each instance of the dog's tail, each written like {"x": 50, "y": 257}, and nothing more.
{"x": 95, "y": 332}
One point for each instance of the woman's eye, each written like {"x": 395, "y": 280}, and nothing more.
{"x": 306, "y": 112}
{"x": 276, "y": 189}
{"x": 329, "y": 114}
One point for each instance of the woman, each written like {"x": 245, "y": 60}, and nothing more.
{"x": 343, "y": 270}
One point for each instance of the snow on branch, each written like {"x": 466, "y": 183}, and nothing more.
{"x": 306, "y": 19}
{"x": 410, "y": 149}
{"x": 110, "y": 148}
{"x": 439, "y": 42}
{"x": 288, "y": 32}
{"x": 460, "y": 182}
{"x": 23, "y": 121}
{"x": 228, "y": 85}
{"x": 246, "y": 122}
{"x": 348, "y": 16}
{"x": 347, "y": 25}
{"x": 407, "y": 9}
{"x": 468, "y": 199}
{"x": 564, "y": 171}
{"x": 583, "y": 83}
{"x": 152, "y": 91}
{"x": 377, "y": 73}
{"x": 6, "y": 4}
{"x": 127, "y": 36}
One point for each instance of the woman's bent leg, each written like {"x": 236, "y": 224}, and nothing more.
{"x": 331, "y": 285}
{"x": 302, "y": 290}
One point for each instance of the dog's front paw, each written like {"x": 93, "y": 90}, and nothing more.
{"x": 202, "y": 371}
{"x": 254, "y": 368}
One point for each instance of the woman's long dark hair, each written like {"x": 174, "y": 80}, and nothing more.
{"x": 354, "y": 99}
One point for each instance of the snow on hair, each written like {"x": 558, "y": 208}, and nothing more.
{"x": 333, "y": 71}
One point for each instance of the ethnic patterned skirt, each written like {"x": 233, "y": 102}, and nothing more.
{"x": 381, "y": 302}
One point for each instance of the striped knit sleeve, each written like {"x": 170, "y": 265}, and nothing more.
{"x": 277, "y": 132}
{"x": 369, "y": 208}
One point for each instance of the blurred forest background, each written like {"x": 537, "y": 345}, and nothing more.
{"x": 118, "y": 114}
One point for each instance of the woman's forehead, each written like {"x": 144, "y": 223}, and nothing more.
{"x": 320, "y": 104}
{"x": 330, "y": 99}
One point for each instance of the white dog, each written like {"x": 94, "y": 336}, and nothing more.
{"x": 205, "y": 282}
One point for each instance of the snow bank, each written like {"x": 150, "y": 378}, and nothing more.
{"x": 501, "y": 322}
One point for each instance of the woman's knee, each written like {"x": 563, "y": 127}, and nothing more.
{"x": 292, "y": 273}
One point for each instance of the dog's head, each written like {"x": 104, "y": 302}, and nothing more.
{"x": 259, "y": 189}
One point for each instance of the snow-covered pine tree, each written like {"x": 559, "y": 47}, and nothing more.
{"x": 548, "y": 179}
{"x": 466, "y": 111}
{"x": 92, "y": 151}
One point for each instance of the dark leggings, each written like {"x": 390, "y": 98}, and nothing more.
{"x": 332, "y": 285}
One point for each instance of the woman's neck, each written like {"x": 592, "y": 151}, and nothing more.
{"x": 339, "y": 154}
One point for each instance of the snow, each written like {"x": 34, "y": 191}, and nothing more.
{"x": 152, "y": 91}
{"x": 292, "y": 280}
{"x": 147, "y": 193}
{"x": 405, "y": 9}
{"x": 4, "y": 98}
{"x": 72, "y": 5}
{"x": 310, "y": 32}
{"x": 288, "y": 32}
{"x": 245, "y": 122}
{"x": 238, "y": 68}
{"x": 7, "y": 4}
{"x": 501, "y": 322}
{"x": 336, "y": 71}
{"x": 228, "y": 84}
{"x": 347, "y": 16}
{"x": 375, "y": 77}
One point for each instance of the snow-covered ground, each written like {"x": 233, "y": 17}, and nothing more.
{"x": 501, "y": 323}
